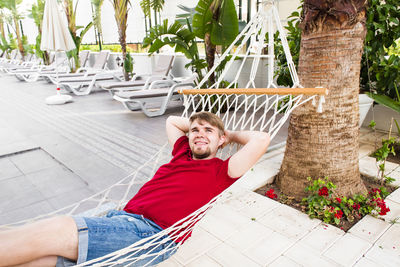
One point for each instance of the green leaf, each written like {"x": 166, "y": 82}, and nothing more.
{"x": 156, "y": 46}
{"x": 202, "y": 19}
{"x": 226, "y": 28}
{"x": 386, "y": 101}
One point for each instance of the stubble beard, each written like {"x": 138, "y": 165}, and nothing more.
{"x": 203, "y": 155}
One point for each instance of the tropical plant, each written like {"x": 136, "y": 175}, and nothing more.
{"x": 293, "y": 37}
{"x": 2, "y": 18}
{"x": 179, "y": 36}
{"x": 147, "y": 5}
{"x": 70, "y": 11}
{"x": 323, "y": 144}
{"x": 208, "y": 21}
{"x": 13, "y": 6}
{"x": 380, "y": 73}
{"x": 215, "y": 22}
{"x": 121, "y": 16}
{"x": 36, "y": 13}
{"x": 97, "y": 20}
{"x": 4, "y": 45}
{"x": 128, "y": 64}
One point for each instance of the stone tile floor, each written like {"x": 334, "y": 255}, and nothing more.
{"x": 52, "y": 156}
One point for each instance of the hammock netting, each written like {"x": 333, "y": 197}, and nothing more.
{"x": 240, "y": 109}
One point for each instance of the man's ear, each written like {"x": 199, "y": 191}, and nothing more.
{"x": 221, "y": 141}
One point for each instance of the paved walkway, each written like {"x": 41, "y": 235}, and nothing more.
{"x": 52, "y": 156}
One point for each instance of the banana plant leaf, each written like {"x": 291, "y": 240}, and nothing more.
{"x": 386, "y": 101}
{"x": 226, "y": 28}
{"x": 223, "y": 29}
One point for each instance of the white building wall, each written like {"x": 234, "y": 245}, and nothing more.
{"x": 136, "y": 24}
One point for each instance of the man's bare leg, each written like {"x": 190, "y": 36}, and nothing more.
{"x": 48, "y": 261}
{"x": 55, "y": 236}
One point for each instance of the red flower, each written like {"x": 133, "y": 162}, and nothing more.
{"x": 375, "y": 191}
{"x": 384, "y": 210}
{"x": 323, "y": 191}
{"x": 382, "y": 205}
{"x": 270, "y": 193}
{"x": 338, "y": 199}
{"x": 356, "y": 206}
{"x": 339, "y": 214}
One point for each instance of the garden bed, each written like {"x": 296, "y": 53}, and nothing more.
{"x": 345, "y": 225}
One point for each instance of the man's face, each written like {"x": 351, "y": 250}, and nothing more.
{"x": 204, "y": 139}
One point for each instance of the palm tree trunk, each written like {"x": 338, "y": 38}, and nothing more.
{"x": 122, "y": 41}
{"x": 210, "y": 56}
{"x": 327, "y": 143}
{"x": 19, "y": 39}
{"x": 2, "y": 29}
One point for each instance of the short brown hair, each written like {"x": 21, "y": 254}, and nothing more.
{"x": 209, "y": 117}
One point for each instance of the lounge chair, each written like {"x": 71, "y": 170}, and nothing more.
{"x": 83, "y": 85}
{"x": 83, "y": 62}
{"x": 14, "y": 60}
{"x": 99, "y": 65}
{"x": 147, "y": 98}
{"x": 31, "y": 63}
{"x": 13, "y": 55}
{"x": 161, "y": 71}
{"x": 60, "y": 64}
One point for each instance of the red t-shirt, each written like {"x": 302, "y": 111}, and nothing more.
{"x": 180, "y": 187}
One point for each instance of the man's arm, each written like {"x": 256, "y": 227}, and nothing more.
{"x": 176, "y": 127}
{"x": 254, "y": 143}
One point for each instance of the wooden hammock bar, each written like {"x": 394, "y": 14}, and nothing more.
{"x": 256, "y": 91}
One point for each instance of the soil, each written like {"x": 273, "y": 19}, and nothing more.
{"x": 369, "y": 182}
{"x": 395, "y": 158}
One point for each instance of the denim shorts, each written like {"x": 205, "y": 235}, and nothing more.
{"x": 99, "y": 236}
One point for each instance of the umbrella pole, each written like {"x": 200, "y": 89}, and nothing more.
{"x": 58, "y": 99}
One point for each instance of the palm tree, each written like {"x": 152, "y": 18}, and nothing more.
{"x": 36, "y": 13}
{"x": 215, "y": 22}
{"x": 97, "y": 19}
{"x": 156, "y": 5}
{"x": 326, "y": 144}
{"x": 3, "y": 34}
{"x": 121, "y": 16}
{"x": 70, "y": 11}
{"x": 12, "y": 5}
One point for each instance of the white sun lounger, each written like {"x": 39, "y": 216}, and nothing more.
{"x": 60, "y": 64}
{"x": 161, "y": 71}
{"x": 147, "y": 98}
{"x": 99, "y": 65}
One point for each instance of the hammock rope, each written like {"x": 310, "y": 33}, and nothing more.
{"x": 248, "y": 108}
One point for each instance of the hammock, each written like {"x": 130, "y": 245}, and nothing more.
{"x": 251, "y": 108}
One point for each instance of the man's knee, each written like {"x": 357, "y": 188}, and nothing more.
{"x": 59, "y": 235}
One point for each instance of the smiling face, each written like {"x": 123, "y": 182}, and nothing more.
{"x": 204, "y": 139}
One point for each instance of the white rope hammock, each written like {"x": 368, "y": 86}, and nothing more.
{"x": 251, "y": 108}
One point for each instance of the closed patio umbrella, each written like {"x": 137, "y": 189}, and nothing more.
{"x": 55, "y": 37}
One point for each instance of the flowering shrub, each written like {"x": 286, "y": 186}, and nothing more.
{"x": 323, "y": 203}
{"x": 271, "y": 194}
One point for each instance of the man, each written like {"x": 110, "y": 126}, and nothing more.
{"x": 190, "y": 180}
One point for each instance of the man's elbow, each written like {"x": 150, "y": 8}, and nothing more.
{"x": 171, "y": 120}
{"x": 263, "y": 140}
